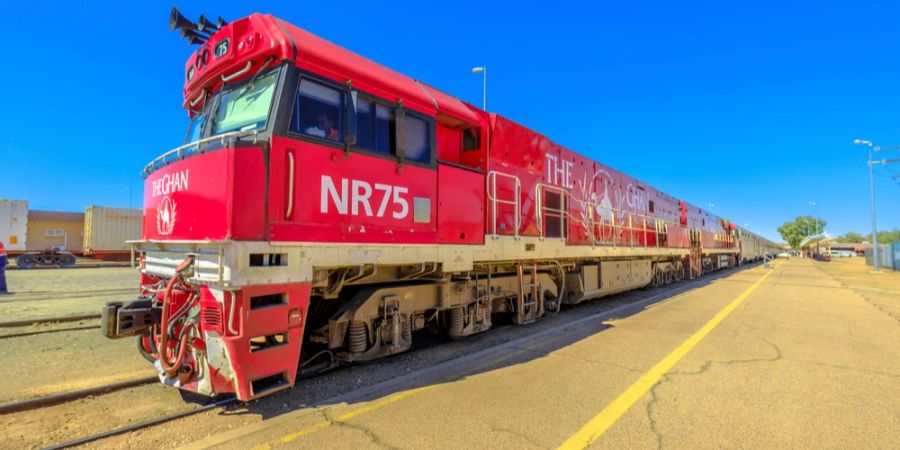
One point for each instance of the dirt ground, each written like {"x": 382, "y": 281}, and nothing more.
{"x": 65, "y": 292}
{"x": 45, "y": 364}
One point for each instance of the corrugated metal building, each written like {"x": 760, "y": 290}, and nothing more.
{"x": 53, "y": 229}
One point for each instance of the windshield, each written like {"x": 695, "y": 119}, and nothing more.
{"x": 195, "y": 129}
{"x": 246, "y": 107}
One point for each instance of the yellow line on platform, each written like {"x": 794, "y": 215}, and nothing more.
{"x": 595, "y": 428}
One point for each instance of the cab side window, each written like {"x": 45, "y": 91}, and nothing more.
{"x": 365, "y": 124}
{"x": 318, "y": 111}
{"x": 384, "y": 129}
{"x": 418, "y": 139}
{"x": 375, "y": 127}
{"x": 470, "y": 139}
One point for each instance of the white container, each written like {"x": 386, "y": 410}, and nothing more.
{"x": 107, "y": 229}
{"x": 13, "y": 224}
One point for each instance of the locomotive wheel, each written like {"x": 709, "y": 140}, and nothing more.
{"x": 66, "y": 260}
{"x": 25, "y": 261}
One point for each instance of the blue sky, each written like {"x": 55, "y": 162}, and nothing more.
{"x": 750, "y": 106}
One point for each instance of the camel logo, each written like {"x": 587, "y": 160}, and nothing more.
{"x": 165, "y": 216}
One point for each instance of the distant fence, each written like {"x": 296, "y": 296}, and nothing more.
{"x": 888, "y": 256}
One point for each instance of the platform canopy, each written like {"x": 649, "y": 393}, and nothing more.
{"x": 815, "y": 239}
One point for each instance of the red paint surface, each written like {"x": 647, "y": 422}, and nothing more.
{"x": 308, "y": 222}
{"x": 224, "y": 197}
{"x": 249, "y": 366}
{"x": 460, "y": 206}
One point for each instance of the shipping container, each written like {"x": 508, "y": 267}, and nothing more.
{"x": 13, "y": 224}
{"x": 106, "y": 230}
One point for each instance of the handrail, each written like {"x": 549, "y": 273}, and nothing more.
{"x": 592, "y": 219}
{"x": 492, "y": 196}
{"x": 200, "y": 96}
{"x": 290, "y": 205}
{"x": 227, "y": 78}
{"x": 540, "y": 208}
{"x": 149, "y": 168}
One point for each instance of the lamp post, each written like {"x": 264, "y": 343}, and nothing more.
{"x": 872, "y": 191}
{"x": 813, "y": 204}
{"x": 483, "y": 71}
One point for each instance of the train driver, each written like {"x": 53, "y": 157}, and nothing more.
{"x": 3, "y": 261}
{"x": 324, "y": 128}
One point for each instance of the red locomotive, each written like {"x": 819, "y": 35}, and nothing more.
{"x": 324, "y": 207}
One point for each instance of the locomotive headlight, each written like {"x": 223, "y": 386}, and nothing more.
{"x": 221, "y": 48}
{"x": 190, "y": 73}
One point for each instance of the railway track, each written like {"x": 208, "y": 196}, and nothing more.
{"x": 43, "y": 320}
{"x": 43, "y": 402}
{"x": 53, "y": 330}
{"x": 47, "y": 321}
{"x": 55, "y": 399}
{"x": 76, "y": 266}
{"x": 141, "y": 425}
{"x": 42, "y": 296}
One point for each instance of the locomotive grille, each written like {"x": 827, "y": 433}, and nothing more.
{"x": 211, "y": 318}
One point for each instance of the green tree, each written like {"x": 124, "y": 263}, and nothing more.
{"x": 851, "y": 237}
{"x": 887, "y": 237}
{"x": 795, "y": 231}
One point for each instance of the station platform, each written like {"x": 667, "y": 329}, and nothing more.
{"x": 797, "y": 356}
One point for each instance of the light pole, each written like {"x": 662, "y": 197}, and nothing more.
{"x": 813, "y": 204}
{"x": 872, "y": 191}
{"x": 483, "y": 71}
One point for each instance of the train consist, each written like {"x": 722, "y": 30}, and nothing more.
{"x": 325, "y": 208}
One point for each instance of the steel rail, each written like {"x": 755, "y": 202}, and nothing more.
{"x": 54, "y": 330}
{"x": 68, "y": 294}
{"x": 55, "y": 399}
{"x": 47, "y": 296}
{"x": 140, "y": 425}
{"x": 76, "y": 266}
{"x": 29, "y": 322}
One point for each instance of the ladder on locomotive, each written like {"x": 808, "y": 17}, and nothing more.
{"x": 515, "y": 202}
{"x": 529, "y": 298}
{"x": 696, "y": 253}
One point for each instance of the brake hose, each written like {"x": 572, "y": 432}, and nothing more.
{"x": 171, "y": 367}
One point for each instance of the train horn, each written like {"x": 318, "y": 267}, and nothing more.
{"x": 178, "y": 21}
{"x": 203, "y": 24}
{"x": 221, "y": 22}
{"x": 193, "y": 36}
